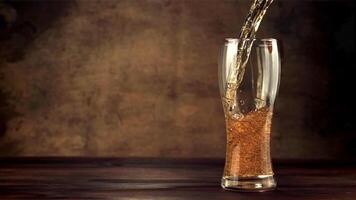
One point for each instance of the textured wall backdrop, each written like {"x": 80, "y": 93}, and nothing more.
{"x": 139, "y": 77}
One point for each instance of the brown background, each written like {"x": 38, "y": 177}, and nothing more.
{"x": 139, "y": 78}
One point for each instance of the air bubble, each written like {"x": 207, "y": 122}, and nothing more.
{"x": 242, "y": 102}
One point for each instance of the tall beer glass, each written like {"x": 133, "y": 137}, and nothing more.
{"x": 248, "y": 115}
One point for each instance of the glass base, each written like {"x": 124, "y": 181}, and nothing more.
{"x": 249, "y": 184}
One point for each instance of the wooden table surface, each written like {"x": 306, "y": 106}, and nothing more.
{"x": 131, "y": 179}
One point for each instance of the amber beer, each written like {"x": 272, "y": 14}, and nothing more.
{"x": 248, "y": 145}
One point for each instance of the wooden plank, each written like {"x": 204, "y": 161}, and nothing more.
{"x": 169, "y": 179}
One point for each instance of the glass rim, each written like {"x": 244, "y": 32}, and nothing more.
{"x": 234, "y": 40}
